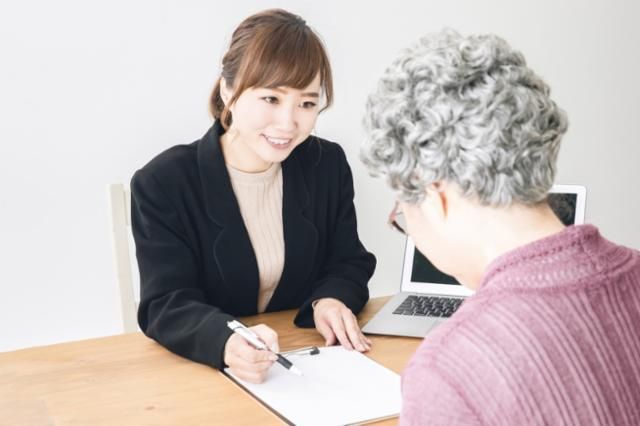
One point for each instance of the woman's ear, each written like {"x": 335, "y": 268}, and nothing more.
{"x": 225, "y": 93}
{"x": 436, "y": 202}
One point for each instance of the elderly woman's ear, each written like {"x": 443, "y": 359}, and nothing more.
{"x": 436, "y": 201}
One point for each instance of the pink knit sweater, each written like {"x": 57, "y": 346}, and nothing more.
{"x": 552, "y": 336}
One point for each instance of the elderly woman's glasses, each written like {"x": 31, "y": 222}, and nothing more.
{"x": 396, "y": 220}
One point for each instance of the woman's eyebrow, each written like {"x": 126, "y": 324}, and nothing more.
{"x": 311, "y": 94}
{"x": 305, "y": 94}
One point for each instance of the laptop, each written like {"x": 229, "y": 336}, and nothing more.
{"x": 428, "y": 296}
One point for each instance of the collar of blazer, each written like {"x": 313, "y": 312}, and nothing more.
{"x": 233, "y": 250}
{"x": 221, "y": 203}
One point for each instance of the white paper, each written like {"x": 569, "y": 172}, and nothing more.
{"x": 337, "y": 387}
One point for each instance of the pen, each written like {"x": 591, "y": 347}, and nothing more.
{"x": 257, "y": 343}
{"x": 309, "y": 350}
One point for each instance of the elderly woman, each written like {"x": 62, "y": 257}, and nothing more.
{"x": 467, "y": 136}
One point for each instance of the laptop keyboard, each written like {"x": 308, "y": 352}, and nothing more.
{"x": 428, "y": 306}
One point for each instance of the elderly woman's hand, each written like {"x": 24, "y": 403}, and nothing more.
{"x": 335, "y": 321}
{"x": 247, "y": 362}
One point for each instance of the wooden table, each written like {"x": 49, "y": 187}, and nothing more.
{"x": 131, "y": 380}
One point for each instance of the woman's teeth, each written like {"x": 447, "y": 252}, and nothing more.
{"x": 278, "y": 141}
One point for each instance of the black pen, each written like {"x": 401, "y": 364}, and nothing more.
{"x": 257, "y": 343}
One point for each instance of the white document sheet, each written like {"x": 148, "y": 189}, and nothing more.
{"x": 338, "y": 387}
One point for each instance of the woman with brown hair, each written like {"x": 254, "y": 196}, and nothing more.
{"x": 257, "y": 215}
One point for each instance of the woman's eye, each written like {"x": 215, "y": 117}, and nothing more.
{"x": 308, "y": 105}
{"x": 270, "y": 99}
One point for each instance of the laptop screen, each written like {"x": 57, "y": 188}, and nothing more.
{"x": 565, "y": 203}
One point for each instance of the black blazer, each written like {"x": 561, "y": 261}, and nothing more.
{"x": 197, "y": 266}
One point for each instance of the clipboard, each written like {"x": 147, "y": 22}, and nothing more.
{"x": 338, "y": 387}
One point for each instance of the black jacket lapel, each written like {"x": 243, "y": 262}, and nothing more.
{"x": 232, "y": 248}
{"x": 300, "y": 235}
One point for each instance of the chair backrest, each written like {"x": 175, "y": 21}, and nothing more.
{"x": 120, "y": 217}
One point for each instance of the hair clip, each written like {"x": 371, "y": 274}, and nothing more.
{"x": 309, "y": 350}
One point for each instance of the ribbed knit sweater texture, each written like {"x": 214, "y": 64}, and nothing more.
{"x": 259, "y": 196}
{"x": 551, "y": 337}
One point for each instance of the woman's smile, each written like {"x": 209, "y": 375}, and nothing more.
{"x": 278, "y": 143}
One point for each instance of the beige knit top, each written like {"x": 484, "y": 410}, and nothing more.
{"x": 259, "y": 196}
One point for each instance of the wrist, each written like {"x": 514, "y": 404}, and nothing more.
{"x": 315, "y": 303}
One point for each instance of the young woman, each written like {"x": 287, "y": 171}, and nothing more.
{"x": 468, "y": 137}
{"x": 256, "y": 216}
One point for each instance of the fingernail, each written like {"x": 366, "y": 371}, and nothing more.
{"x": 273, "y": 357}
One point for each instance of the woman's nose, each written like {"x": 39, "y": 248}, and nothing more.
{"x": 286, "y": 119}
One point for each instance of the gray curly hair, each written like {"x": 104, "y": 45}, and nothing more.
{"x": 466, "y": 110}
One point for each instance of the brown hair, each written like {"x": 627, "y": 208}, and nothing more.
{"x": 272, "y": 48}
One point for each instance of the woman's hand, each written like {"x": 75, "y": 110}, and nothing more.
{"x": 335, "y": 321}
{"x": 247, "y": 362}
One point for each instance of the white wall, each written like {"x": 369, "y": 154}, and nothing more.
{"x": 90, "y": 92}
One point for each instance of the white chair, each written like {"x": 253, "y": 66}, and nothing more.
{"x": 120, "y": 217}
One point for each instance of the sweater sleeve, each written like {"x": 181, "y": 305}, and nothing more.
{"x": 349, "y": 266}
{"x": 173, "y": 310}
{"x": 430, "y": 397}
